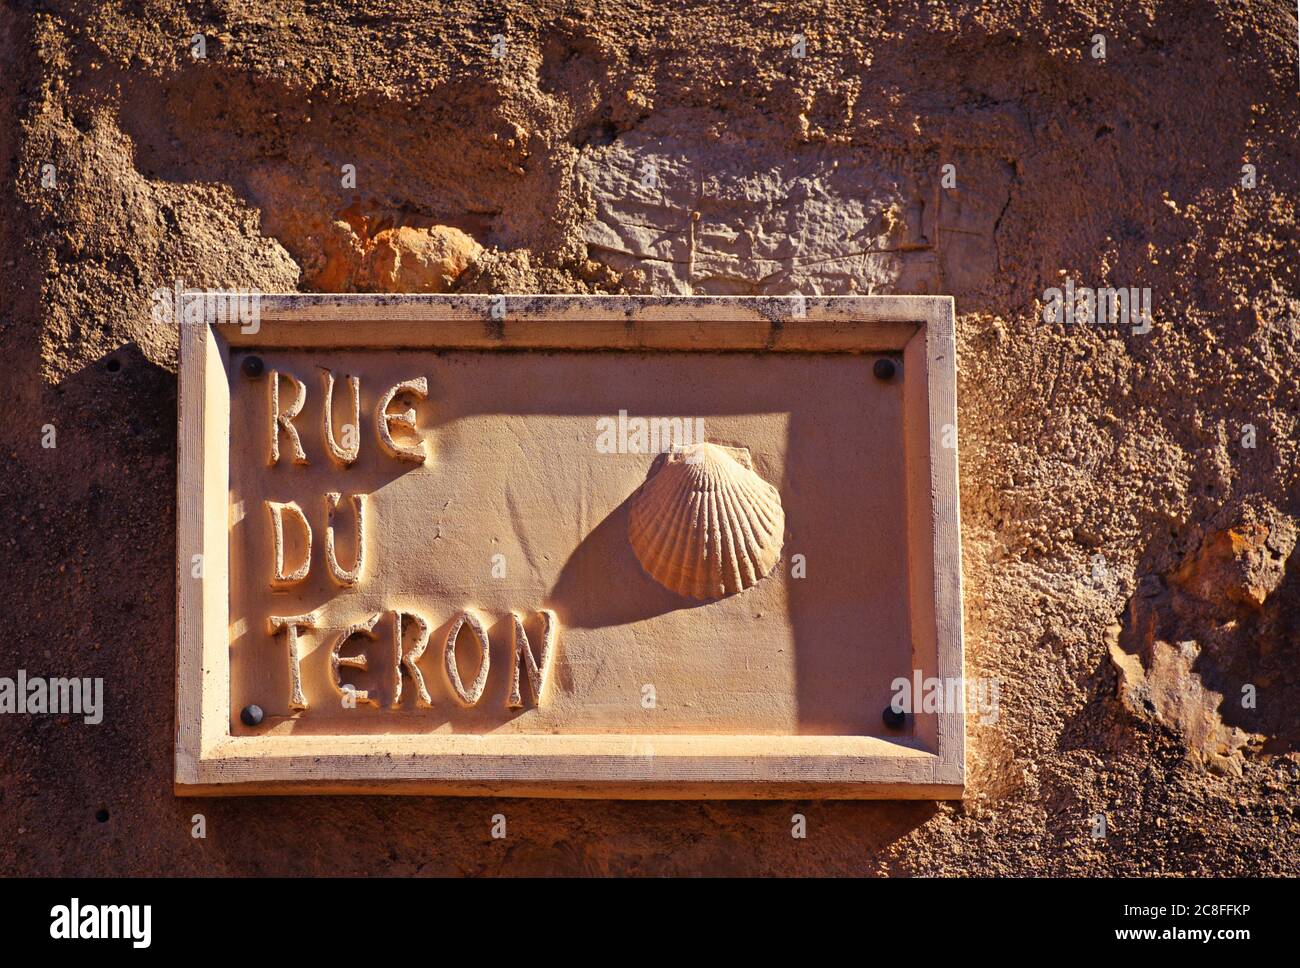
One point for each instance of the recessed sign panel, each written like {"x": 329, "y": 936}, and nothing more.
{"x": 569, "y": 546}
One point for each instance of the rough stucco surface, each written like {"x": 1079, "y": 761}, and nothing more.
{"x": 1130, "y": 565}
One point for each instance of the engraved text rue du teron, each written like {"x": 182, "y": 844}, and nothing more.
{"x": 284, "y": 410}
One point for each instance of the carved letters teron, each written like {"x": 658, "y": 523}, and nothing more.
{"x": 569, "y": 546}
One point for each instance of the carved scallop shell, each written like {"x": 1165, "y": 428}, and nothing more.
{"x": 704, "y": 524}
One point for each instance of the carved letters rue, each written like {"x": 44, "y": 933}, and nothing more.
{"x": 288, "y": 396}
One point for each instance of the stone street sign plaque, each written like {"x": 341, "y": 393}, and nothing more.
{"x": 569, "y": 546}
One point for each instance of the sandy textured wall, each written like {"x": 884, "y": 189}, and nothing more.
{"x": 1129, "y": 498}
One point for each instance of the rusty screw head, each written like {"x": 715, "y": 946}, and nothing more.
{"x": 884, "y": 369}
{"x": 893, "y": 718}
{"x": 251, "y": 715}
{"x": 252, "y": 366}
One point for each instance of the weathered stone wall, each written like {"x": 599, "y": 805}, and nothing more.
{"x": 1129, "y": 499}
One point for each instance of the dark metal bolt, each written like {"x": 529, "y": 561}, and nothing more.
{"x": 893, "y": 718}
{"x": 884, "y": 369}
{"x": 252, "y": 366}
{"x": 251, "y": 715}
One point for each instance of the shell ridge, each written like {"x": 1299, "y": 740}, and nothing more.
{"x": 739, "y": 538}
{"x": 663, "y": 521}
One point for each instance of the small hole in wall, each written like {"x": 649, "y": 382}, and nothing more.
{"x": 113, "y": 366}
{"x": 101, "y": 815}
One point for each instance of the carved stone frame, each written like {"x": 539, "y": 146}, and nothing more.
{"x": 927, "y": 765}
